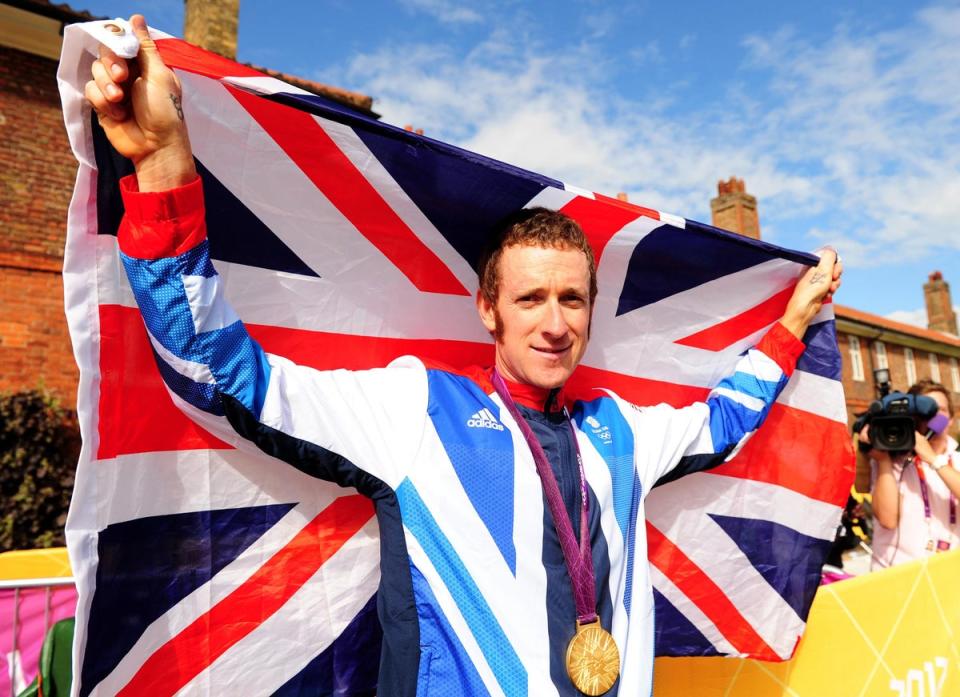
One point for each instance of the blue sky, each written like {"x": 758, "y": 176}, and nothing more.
{"x": 842, "y": 117}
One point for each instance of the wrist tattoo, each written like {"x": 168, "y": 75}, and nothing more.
{"x": 816, "y": 278}
{"x": 177, "y": 104}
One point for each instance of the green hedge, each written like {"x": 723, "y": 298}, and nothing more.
{"x": 39, "y": 445}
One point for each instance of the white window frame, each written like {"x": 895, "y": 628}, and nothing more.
{"x": 856, "y": 358}
{"x": 934, "y": 367}
{"x": 880, "y": 349}
{"x": 911, "y": 366}
{"x": 955, "y": 374}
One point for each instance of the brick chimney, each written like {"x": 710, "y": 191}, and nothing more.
{"x": 212, "y": 25}
{"x": 940, "y": 313}
{"x": 734, "y": 209}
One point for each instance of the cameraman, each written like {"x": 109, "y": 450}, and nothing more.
{"x": 915, "y": 493}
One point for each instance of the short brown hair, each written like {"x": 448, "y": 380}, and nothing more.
{"x": 534, "y": 227}
{"x": 926, "y": 386}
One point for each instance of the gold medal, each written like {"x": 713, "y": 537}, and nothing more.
{"x": 593, "y": 660}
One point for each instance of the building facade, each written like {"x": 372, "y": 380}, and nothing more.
{"x": 869, "y": 343}
{"x": 37, "y": 171}
{"x": 37, "y": 174}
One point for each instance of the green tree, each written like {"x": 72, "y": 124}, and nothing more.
{"x": 39, "y": 445}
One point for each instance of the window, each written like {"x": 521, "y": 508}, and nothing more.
{"x": 955, "y": 374}
{"x": 881, "y": 350}
{"x": 856, "y": 360}
{"x": 934, "y": 368}
{"x": 911, "y": 367}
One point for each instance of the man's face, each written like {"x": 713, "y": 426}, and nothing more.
{"x": 541, "y": 317}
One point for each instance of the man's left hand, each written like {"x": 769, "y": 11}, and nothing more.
{"x": 814, "y": 288}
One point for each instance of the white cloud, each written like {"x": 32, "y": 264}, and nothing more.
{"x": 445, "y": 11}
{"x": 916, "y": 318}
{"x": 647, "y": 53}
{"x": 849, "y": 139}
{"x": 873, "y": 118}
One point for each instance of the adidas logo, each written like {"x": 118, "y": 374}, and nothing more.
{"x": 484, "y": 419}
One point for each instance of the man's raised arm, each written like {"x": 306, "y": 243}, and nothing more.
{"x": 219, "y": 375}
{"x": 138, "y": 103}
{"x": 705, "y": 434}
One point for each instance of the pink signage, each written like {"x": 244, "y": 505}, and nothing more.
{"x": 25, "y": 616}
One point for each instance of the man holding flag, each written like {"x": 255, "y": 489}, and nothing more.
{"x": 495, "y": 489}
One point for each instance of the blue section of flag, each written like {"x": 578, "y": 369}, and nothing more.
{"x": 597, "y": 419}
{"x": 490, "y": 190}
{"x": 481, "y": 454}
{"x": 349, "y": 666}
{"x": 445, "y": 667}
{"x": 674, "y": 634}
{"x": 821, "y": 356}
{"x": 652, "y": 271}
{"x": 483, "y": 624}
{"x": 789, "y": 560}
{"x": 258, "y": 246}
{"x": 148, "y": 565}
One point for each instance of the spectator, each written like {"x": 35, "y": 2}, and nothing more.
{"x": 915, "y": 494}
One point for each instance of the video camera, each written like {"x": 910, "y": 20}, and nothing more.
{"x": 895, "y": 417}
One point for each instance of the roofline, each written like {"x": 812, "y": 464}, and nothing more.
{"x": 62, "y": 13}
{"x": 879, "y": 328}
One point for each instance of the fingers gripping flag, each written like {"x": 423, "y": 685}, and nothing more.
{"x": 343, "y": 242}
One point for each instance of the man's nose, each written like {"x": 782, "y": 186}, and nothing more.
{"x": 554, "y": 323}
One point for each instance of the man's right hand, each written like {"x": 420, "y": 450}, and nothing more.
{"x": 139, "y": 106}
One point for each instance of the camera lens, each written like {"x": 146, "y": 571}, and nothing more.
{"x": 893, "y": 435}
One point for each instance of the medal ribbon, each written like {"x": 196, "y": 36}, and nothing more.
{"x": 578, "y": 558}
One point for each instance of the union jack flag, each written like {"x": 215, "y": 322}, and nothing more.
{"x": 344, "y": 242}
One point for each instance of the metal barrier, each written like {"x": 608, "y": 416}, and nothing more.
{"x": 20, "y": 589}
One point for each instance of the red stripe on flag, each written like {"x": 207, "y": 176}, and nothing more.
{"x": 626, "y": 205}
{"x": 330, "y": 351}
{"x": 315, "y": 153}
{"x": 177, "y": 53}
{"x": 136, "y": 414}
{"x": 700, "y": 589}
{"x": 208, "y": 637}
{"x": 585, "y": 381}
{"x": 782, "y": 452}
{"x": 603, "y": 218}
{"x": 719, "y": 336}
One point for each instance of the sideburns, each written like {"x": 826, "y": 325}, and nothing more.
{"x": 498, "y": 325}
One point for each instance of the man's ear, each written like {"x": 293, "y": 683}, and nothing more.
{"x": 487, "y": 312}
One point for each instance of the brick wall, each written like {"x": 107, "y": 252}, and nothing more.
{"x": 37, "y": 172}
